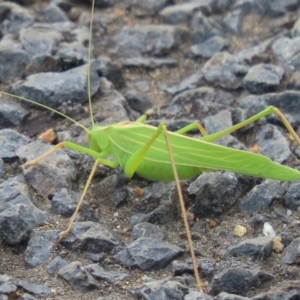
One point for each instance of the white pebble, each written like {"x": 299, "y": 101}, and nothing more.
{"x": 289, "y": 212}
{"x": 268, "y": 230}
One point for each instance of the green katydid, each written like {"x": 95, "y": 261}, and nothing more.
{"x": 157, "y": 154}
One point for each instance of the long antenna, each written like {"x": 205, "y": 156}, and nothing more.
{"x": 89, "y": 65}
{"x": 47, "y": 107}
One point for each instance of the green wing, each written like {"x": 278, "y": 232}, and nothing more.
{"x": 194, "y": 153}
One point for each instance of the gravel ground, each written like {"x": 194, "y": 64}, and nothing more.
{"x": 216, "y": 62}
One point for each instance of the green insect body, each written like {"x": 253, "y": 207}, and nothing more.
{"x": 192, "y": 156}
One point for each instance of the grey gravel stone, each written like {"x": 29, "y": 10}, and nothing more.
{"x": 233, "y": 20}
{"x": 148, "y": 253}
{"x": 199, "y": 103}
{"x": 292, "y": 196}
{"x": 273, "y": 143}
{"x": 286, "y": 290}
{"x": 188, "y": 83}
{"x": 215, "y": 193}
{"x": 149, "y": 62}
{"x": 6, "y": 286}
{"x": 227, "y": 296}
{"x": 65, "y": 202}
{"x": 161, "y": 289}
{"x": 38, "y": 40}
{"x": 40, "y": 247}
{"x": 146, "y": 7}
{"x": 16, "y": 17}
{"x": 148, "y": 230}
{"x": 263, "y": 78}
{"x": 238, "y": 281}
{"x": 37, "y": 289}
{"x": 10, "y": 141}
{"x": 225, "y": 70}
{"x": 110, "y": 276}
{"x": 11, "y": 113}
{"x": 78, "y": 278}
{"x": 182, "y": 12}
{"x": 55, "y": 265}
{"x": 52, "y": 13}
{"x": 15, "y": 191}
{"x": 2, "y": 168}
{"x": 262, "y": 196}
{"x": 156, "y": 204}
{"x": 259, "y": 248}
{"x": 14, "y": 63}
{"x": 16, "y": 224}
{"x": 287, "y": 50}
{"x": 137, "y": 101}
{"x": 112, "y": 189}
{"x": 208, "y": 48}
{"x": 26, "y": 296}
{"x": 92, "y": 237}
{"x": 197, "y": 296}
{"x": 147, "y": 39}
{"x": 52, "y": 88}
{"x": 202, "y": 28}
{"x": 58, "y": 169}
{"x": 218, "y": 122}
{"x": 291, "y": 254}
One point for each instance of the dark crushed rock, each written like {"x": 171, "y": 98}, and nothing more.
{"x": 40, "y": 247}
{"x": 225, "y": 70}
{"x": 149, "y": 63}
{"x": 6, "y": 286}
{"x": 291, "y": 254}
{"x": 147, "y": 39}
{"x": 148, "y": 230}
{"x": 215, "y": 193}
{"x": 208, "y": 48}
{"x": 277, "y": 147}
{"x": 55, "y": 265}
{"x": 2, "y": 168}
{"x": 263, "y": 78}
{"x": 61, "y": 85}
{"x": 110, "y": 276}
{"x": 92, "y": 237}
{"x": 16, "y": 224}
{"x": 261, "y": 197}
{"x": 188, "y": 83}
{"x": 52, "y": 179}
{"x": 77, "y": 277}
{"x": 113, "y": 189}
{"x": 291, "y": 198}
{"x": 10, "y": 142}
{"x": 286, "y": 290}
{"x": 197, "y": 296}
{"x": 238, "y": 281}
{"x": 154, "y": 206}
{"x": 259, "y": 248}
{"x": 227, "y": 296}
{"x": 11, "y": 114}
{"x": 15, "y": 16}
{"x": 137, "y": 101}
{"x": 37, "y": 289}
{"x": 148, "y": 253}
{"x": 26, "y": 296}
{"x": 161, "y": 289}
{"x": 15, "y": 191}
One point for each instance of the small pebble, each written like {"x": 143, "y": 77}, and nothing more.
{"x": 239, "y": 230}
{"x": 277, "y": 245}
{"x": 268, "y": 230}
